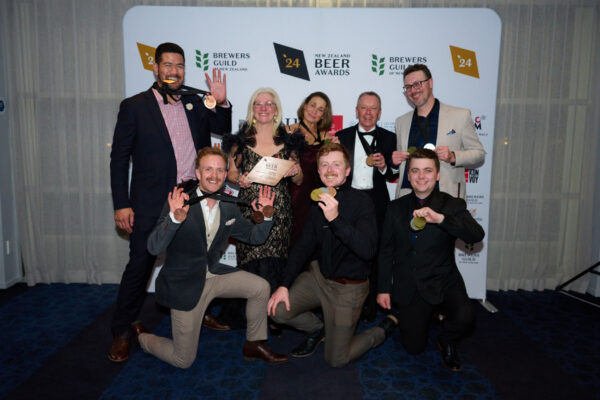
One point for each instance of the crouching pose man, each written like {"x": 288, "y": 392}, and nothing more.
{"x": 417, "y": 269}
{"x": 342, "y": 229}
{"x": 194, "y": 238}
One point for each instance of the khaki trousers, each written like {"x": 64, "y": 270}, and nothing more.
{"x": 186, "y": 325}
{"x": 341, "y": 304}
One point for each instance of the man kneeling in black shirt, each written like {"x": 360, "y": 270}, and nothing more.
{"x": 342, "y": 229}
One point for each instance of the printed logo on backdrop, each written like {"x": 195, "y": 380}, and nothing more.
{"x": 332, "y": 64}
{"x": 291, "y": 61}
{"x": 226, "y": 61}
{"x": 479, "y": 125}
{"x": 393, "y": 65}
{"x": 475, "y": 199}
{"x": 471, "y": 175}
{"x": 377, "y": 64}
{"x": 464, "y": 61}
{"x": 337, "y": 123}
{"x": 147, "y": 55}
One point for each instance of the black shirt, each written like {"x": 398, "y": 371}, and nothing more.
{"x": 345, "y": 246}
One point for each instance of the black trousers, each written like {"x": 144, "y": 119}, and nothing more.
{"x": 414, "y": 319}
{"x": 370, "y": 306}
{"x": 134, "y": 281}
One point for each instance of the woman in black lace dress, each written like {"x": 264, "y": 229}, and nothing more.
{"x": 262, "y": 135}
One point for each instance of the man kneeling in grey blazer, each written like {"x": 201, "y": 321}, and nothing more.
{"x": 194, "y": 238}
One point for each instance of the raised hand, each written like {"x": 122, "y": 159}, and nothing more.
{"x": 176, "y": 200}
{"x": 217, "y": 86}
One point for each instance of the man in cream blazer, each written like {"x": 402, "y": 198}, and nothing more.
{"x": 434, "y": 124}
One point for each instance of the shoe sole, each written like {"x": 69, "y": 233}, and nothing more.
{"x": 116, "y": 360}
{"x": 308, "y": 354}
{"x": 212, "y": 328}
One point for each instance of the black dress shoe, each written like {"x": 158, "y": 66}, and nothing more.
{"x": 211, "y": 322}
{"x": 119, "y": 351}
{"x": 389, "y": 325}
{"x": 258, "y": 350}
{"x": 310, "y": 344}
{"x": 449, "y": 356}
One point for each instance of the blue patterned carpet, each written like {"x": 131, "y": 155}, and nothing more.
{"x": 55, "y": 338}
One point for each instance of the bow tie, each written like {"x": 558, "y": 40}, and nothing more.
{"x": 367, "y": 133}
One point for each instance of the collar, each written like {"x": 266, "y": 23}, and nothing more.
{"x": 361, "y": 129}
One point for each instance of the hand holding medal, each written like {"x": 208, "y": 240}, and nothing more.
{"x": 423, "y": 216}
{"x": 314, "y": 195}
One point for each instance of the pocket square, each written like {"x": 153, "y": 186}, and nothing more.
{"x": 230, "y": 222}
{"x": 452, "y": 132}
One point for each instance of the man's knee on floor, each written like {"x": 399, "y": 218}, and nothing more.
{"x": 184, "y": 362}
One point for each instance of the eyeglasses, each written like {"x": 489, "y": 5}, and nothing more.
{"x": 268, "y": 104}
{"x": 415, "y": 86}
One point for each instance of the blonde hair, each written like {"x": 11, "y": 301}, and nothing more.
{"x": 278, "y": 116}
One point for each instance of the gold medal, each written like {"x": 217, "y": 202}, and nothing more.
{"x": 168, "y": 81}
{"x": 417, "y": 223}
{"x": 370, "y": 161}
{"x": 314, "y": 195}
{"x": 210, "y": 102}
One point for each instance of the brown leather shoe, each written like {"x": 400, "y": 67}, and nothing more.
{"x": 211, "y": 322}
{"x": 119, "y": 351}
{"x": 258, "y": 350}
{"x": 138, "y": 328}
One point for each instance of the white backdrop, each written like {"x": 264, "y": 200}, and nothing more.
{"x": 341, "y": 52}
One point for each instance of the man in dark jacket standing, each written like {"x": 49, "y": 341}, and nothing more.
{"x": 159, "y": 134}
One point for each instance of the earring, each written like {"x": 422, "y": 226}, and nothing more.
{"x": 253, "y": 121}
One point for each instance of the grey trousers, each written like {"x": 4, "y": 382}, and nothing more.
{"x": 341, "y": 304}
{"x": 181, "y": 351}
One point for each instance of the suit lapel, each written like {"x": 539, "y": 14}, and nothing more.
{"x": 350, "y": 146}
{"x": 156, "y": 115}
{"x": 197, "y": 220}
{"x": 444, "y": 126}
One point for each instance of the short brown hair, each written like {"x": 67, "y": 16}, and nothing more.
{"x": 329, "y": 147}
{"x": 423, "y": 153}
{"x": 417, "y": 67}
{"x": 210, "y": 151}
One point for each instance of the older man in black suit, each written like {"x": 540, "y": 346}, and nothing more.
{"x": 195, "y": 239}
{"x": 370, "y": 148}
{"x": 417, "y": 269}
{"x": 159, "y": 134}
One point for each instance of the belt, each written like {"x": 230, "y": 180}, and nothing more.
{"x": 345, "y": 281}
